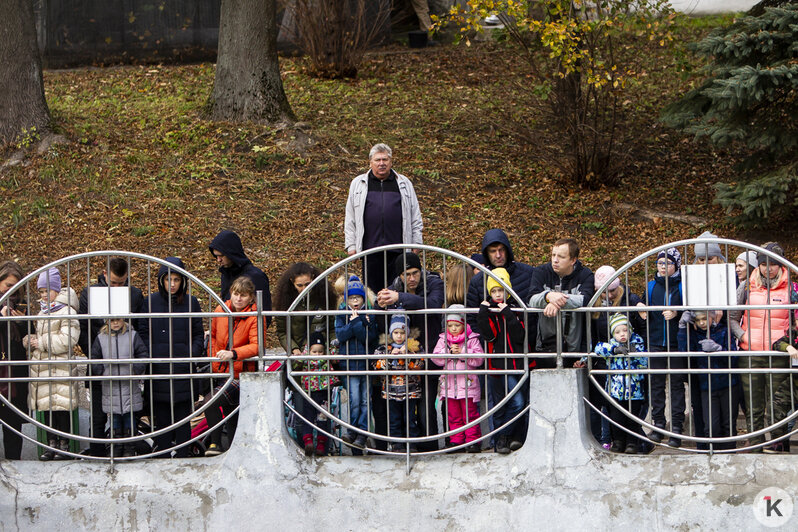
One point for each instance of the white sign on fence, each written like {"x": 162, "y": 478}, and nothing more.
{"x": 708, "y": 285}
{"x": 109, "y": 300}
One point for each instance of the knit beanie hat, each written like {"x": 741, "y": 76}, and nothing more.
{"x": 604, "y": 273}
{"x": 355, "y": 287}
{"x": 748, "y": 257}
{"x": 406, "y": 261}
{"x": 773, "y": 247}
{"x": 619, "y": 319}
{"x": 502, "y": 274}
{"x": 398, "y": 321}
{"x": 317, "y": 337}
{"x": 51, "y": 279}
{"x": 478, "y": 258}
{"x": 460, "y": 318}
{"x": 673, "y": 255}
{"x": 708, "y": 249}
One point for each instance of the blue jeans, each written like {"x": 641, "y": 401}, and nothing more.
{"x": 121, "y": 422}
{"x": 358, "y": 401}
{"x": 511, "y": 408}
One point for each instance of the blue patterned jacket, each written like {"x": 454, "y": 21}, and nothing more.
{"x": 626, "y": 385}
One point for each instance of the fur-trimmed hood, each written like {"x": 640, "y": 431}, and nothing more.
{"x": 413, "y": 343}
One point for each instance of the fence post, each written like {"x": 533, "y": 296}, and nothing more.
{"x": 259, "y": 303}
{"x": 559, "y": 339}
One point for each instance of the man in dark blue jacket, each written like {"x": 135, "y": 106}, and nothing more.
{"x": 415, "y": 289}
{"x": 498, "y": 253}
{"x": 228, "y": 251}
{"x": 561, "y": 284}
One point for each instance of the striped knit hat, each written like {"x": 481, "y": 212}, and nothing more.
{"x": 619, "y": 319}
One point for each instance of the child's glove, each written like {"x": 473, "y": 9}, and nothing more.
{"x": 620, "y": 350}
{"x": 687, "y": 317}
{"x": 709, "y": 345}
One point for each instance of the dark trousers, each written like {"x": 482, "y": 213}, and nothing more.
{"x": 427, "y": 414}
{"x": 676, "y": 383}
{"x": 720, "y": 407}
{"x": 219, "y": 410}
{"x": 59, "y": 420}
{"x": 378, "y": 270}
{"x": 700, "y": 416}
{"x": 311, "y": 413}
{"x": 598, "y": 400}
{"x": 618, "y": 416}
{"x": 402, "y": 416}
{"x": 180, "y": 434}
{"x": 379, "y": 409}
{"x": 12, "y": 442}
{"x": 498, "y": 388}
{"x": 98, "y": 419}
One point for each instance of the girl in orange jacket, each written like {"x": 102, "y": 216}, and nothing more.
{"x": 240, "y": 352}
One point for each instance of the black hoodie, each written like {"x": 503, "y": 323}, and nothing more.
{"x": 520, "y": 276}
{"x": 172, "y": 337}
{"x": 229, "y": 244}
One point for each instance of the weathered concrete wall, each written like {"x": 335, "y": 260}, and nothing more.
{"x": 560, "y": 480}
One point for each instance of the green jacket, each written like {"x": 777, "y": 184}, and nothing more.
{"x": 302, "y": 326}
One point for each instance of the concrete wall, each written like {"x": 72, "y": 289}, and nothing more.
{"x": 559, "y": 480}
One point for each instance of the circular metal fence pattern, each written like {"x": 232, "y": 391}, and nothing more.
{"x": 730, "y": 248}
{"x": 79, "y": 270}
{"x": 438, "y": 257}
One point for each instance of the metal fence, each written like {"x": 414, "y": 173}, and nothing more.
{"x": 362, "y": 390}
{"x": 718, "y": 375}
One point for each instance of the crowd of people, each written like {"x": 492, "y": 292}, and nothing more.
{"x": 398, "y": 326}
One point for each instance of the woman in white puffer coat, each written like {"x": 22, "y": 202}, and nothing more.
{"x": 54, "y": 339}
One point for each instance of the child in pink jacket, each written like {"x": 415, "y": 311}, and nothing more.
{"x": 461, "y": 392}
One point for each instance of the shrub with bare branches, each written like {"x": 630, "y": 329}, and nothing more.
{"x": 335, "y": 34}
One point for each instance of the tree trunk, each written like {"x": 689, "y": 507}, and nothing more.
{"x": 22, "y": 103}
{"x": 248, "y": 86}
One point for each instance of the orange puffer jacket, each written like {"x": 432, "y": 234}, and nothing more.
{"x": 245, "y": 340}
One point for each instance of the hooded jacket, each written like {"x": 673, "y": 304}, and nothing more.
{"x": 579, "y": 285}
{"x": 520, "y": 277}
{"x": 229, "y": 244}
{"x": 185, "y": 340}
{"x": 400, "y": 387}
{"x": 57, "y": 338}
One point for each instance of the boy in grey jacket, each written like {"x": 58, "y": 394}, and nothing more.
{"x": 121, "y": 397}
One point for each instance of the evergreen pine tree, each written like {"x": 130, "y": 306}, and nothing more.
{"x": 750, "y": 102}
